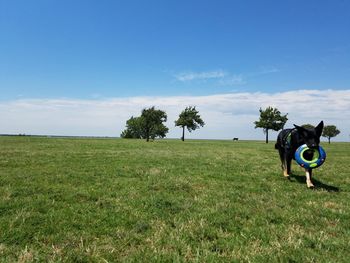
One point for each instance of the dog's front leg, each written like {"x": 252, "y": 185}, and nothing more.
{"x": 308, "y": 178}
{"x": 287, "y": 167}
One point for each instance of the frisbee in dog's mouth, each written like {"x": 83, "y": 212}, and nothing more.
{"x": 310, "y": 158}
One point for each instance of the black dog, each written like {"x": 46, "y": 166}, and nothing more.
{"x": 288, "y": 141}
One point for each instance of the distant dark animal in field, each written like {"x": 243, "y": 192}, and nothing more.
{"x": 288, "y": 141}
{"x": 235, "y": 139}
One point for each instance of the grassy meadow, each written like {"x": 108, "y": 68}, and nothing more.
{"x": 114, "y": 200}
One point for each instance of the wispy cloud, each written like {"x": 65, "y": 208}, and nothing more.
{"x": 268, "y": 70}
{"x": 226, "y": 115}
{"x": 263, "y": 71}
{"x": 189, "y": 76}
{"x": 232, "y": 80}
{"x": 219, "y": 77}
{"x": 224, "y": 78}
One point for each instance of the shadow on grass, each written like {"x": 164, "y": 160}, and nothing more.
{"x": 318, "y": 184}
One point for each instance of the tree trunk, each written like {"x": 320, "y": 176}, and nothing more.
{"x": 183, "y": 133}
{"x": 147, "y": 135}
{"x": 329, "y": 140}
{"x": 267, "y": 136}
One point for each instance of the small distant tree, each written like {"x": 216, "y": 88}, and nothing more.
{"x": 190, "y": 119}
{"x": 270, "y": 119}
{"x": 330, "y": 131}
{"x": 148, "y": 126}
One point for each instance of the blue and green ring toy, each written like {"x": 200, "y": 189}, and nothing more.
{"x": 319, "y": 156}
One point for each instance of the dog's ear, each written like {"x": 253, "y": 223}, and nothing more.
{"x": 299, "y": 128}
{"x": 319, "y": 129}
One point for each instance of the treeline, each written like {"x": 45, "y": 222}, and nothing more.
{"x": 150, "y": 124}
{"x": 272, "y": 119}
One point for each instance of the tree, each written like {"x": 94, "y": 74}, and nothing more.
{"x": 148, "y": 126}
{"x": 190, "y": 119}
{"x": 330, "y": 131}
{"x": 133, "y": 128}
{"x": 152, "y": 125}
{"x": 308, "y": 126}
{"x": 270, "y": 119}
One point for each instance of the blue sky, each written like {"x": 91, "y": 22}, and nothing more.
{"x": 85, "y": 49}
{"x": 98, "y": 50}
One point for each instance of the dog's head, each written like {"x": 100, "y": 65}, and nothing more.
{"x": 310, "y": 136}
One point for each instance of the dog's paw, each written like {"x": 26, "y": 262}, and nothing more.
{"x": 286, "y": 175}
{"x": 310, "y": 185}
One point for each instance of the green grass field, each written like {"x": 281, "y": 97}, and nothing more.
{"x": 113, "y": 200}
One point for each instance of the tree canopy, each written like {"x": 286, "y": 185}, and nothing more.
{"x": 133, "y": 128}
{"x": 148, "y": 126}
{"x": 308, "y": 126}
{"x": 190, "y": 119}
{"x": 270, "y": 119}
{"x": 330, "y": 131}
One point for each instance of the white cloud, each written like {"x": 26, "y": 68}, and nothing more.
{"x": 262, "y": 71}
{"x": 221, "y": 77}
{"x": 268, "y": 70}
{"x": 232, "y": 80}
{"x": 189, "y": 76}
{"x": 226, "y": 115}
